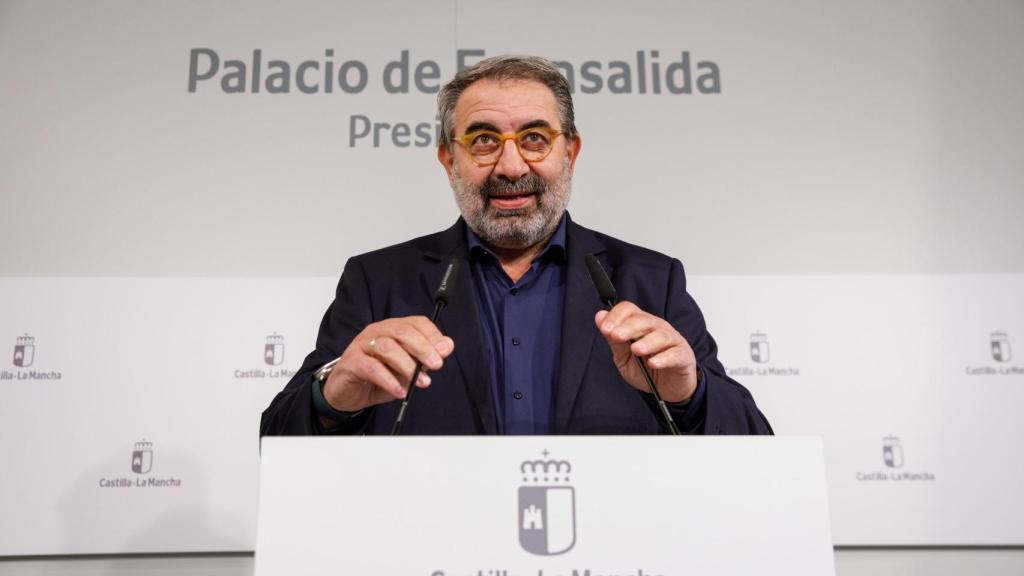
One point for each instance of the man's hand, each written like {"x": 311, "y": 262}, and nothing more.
{"x": 378, "y": 363}
{"x": 668, "y": 355}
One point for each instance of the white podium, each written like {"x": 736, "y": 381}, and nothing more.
{"x": 543, "y": 506}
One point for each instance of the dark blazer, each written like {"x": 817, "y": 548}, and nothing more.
{"x": 591, "y": 398}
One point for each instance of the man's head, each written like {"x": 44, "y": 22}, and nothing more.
{"x": 511, "y": 190}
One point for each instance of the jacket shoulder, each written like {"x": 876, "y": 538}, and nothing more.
{"x": 437, "y": 246}
{"x": 619, "y": 252}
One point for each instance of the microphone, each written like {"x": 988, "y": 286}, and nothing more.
{"x": 441, "y": 297}
{"x": 447, "y": 283}
{"x": 605, "y": 289}
{"x": 609, "y": 297}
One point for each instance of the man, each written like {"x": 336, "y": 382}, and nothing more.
{"x": 524, "y": 346}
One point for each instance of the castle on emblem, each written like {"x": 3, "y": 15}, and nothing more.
{"x": 547, "y": 507}
{"x": 1001, "y": 347}
{"x": 24, "y": 351}
{"x": 142, "y": 457}
{"x": 273, "y": 352}
{"x": 759, "y": 347}
{"x": 892, "y": 452}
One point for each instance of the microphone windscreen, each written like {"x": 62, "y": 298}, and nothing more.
{"x": 605, "y": 288}
{"x": 447, "y": 286}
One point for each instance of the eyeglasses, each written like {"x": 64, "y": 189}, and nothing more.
{"x": 486, "y": 146}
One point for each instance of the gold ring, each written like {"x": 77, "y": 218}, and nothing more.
{"x": 373, "y": 343}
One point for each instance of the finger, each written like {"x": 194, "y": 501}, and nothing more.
{"x": 636, "y": 326}
{"x": 616, "y": 315}
{"x": 441, "y": 343}
{"x": 372, "y": 370}
{"x": 424, "y": 380}
{"x": 621, "y": 352}
{"x": 412, "y": 341}
{"x": 663, "y": 337}
{"x": 395, "y": 358}
{"x": 674, "y": 357}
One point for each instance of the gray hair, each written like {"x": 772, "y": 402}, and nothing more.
{"x": 507, "y": 67}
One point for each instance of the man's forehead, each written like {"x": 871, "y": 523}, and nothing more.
{"x": 507, "y": 104}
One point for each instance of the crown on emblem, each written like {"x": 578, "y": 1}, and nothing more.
{"x": 275, "y": 338}
{"x": 758, "y": 336}
{"x": 143, "y": 445}
{"x": 999, "y": 335}
{"x": 890, "y": 439}
{"x": 545, "y": 471}
{"x": 26, "y": 340}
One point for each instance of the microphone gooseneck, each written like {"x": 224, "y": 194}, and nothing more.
{"x": 441, "y": 298}
{"x": 609, "y": 297}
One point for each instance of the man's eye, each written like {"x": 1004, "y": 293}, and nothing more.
{"x": 534, "y": 140}
{"x": 484, "y": 140}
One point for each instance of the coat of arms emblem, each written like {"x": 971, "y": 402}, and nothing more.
{"x": 892, "y": 452}
{"x": 1000, "y": 347}
{"x": 547, "y": 507}
{"x": 142, "y": 457}
{"x": 759, "y": 347}
{"x": 24, "y": 351}
{"x": 273, "y": 352}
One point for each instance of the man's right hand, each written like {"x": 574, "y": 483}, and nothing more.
{"x": 378, "y": 363}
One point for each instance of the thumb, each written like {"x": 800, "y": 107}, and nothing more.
{"x": 620, "y": 350}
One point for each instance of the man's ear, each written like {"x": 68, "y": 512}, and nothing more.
{"x": 574, "y": 151}
{"x": 445, "y": 157}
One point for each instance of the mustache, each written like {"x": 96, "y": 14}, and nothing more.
{"x": 531, "y": 183}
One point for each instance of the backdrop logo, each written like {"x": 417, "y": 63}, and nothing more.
{"x": 24, "y": 351}
{"x": 1000, "y": 347}
{"x": 759, "y": 347}
{"x": 547, "y": 507}
{"x": 1002, "y": 353}
{"x": 759, "y": 352}
{"x": 892, "y": 452}
{"x": 273, "y": 356}
{"x": 892, "y": 458}
{"x": 142, "y": 465}
{"x": 142, "y": 457}
{"x": 273, "y": 351}
{"x": 24, "y": 359}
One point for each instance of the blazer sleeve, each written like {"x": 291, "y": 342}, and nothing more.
{"x": 291, "y": 412}
{"x": 729, "y": 407}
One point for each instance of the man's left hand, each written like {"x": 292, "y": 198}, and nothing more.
{"x": 667, "y": 354}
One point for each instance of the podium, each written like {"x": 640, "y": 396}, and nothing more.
{"x": 543, "y": 506}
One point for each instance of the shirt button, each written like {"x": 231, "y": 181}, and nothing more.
{"x": 514, "y": 291}
{"x": 517, "y": 395}
{"x": 515, "y": 341}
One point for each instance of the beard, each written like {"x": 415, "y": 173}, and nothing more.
{"x": 513, "y": 228}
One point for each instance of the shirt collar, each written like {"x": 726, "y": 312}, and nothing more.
{"x": 555, "y": 246}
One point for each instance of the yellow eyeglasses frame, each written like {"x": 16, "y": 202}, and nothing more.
{"x": 467, "y": 139}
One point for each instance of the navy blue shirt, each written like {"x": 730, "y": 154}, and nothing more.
{"x": 522, "y": 324}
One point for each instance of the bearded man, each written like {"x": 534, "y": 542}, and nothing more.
{"x": 524, "y": 346}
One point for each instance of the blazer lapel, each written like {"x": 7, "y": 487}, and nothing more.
{"x": 460, "y": 319}
{"x": 578, "y": 330}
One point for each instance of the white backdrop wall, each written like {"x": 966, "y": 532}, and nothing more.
{"x": 844, "y": 190}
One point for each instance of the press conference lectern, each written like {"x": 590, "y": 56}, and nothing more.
{"x": 543, "y": 506}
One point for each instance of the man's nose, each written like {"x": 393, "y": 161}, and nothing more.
{"x": 511, "y": 164}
